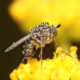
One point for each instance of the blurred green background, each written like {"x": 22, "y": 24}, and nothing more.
{"x": 17, "y": 17}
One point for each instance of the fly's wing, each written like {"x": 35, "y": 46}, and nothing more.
{"x": 15, "y": 44}
{"x": 56, "y": 45}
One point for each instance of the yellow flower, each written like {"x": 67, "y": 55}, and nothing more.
{"x": 61, "y": 67}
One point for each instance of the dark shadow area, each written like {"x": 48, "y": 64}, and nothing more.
{"x": 47, "y": 52}
{"x": 78, "y": 51}
{"x": 9, "y": 32}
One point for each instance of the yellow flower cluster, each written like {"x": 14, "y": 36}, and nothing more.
{"x": 61, "y": 67}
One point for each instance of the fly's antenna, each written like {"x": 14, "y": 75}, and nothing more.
{"x": 15, "y": 44}
{"x": 59, "y": 25}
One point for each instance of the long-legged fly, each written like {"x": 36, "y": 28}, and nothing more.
{"x": 39, "y": 36}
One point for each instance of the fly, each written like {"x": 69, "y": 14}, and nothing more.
{"x": 39, "y": 36}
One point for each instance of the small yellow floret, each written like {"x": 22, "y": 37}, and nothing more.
{"x": 61, "y": 67}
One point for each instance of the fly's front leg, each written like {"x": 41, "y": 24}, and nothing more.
{"x": 40, "y": 43}
{"x": 41, "y": 50}
{"x": 37, "y": 43}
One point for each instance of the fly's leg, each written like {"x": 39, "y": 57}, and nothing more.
{"x": 28, "y": 50}
{"x": 41, "y": 50}
{"x": 56, "y": 45}
{"x": 25, "y": 51}
{"x": 42, "y": 45}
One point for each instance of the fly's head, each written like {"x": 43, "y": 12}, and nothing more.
{"x": 45, "y": 29}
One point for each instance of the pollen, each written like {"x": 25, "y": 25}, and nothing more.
{"x": 61, "y": 67}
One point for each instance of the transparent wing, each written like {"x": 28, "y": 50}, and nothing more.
{"x": 55, "y": 42}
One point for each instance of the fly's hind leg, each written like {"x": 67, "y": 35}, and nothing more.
{"x": 57, "y": 45}
{"x": 28, "y": 50}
